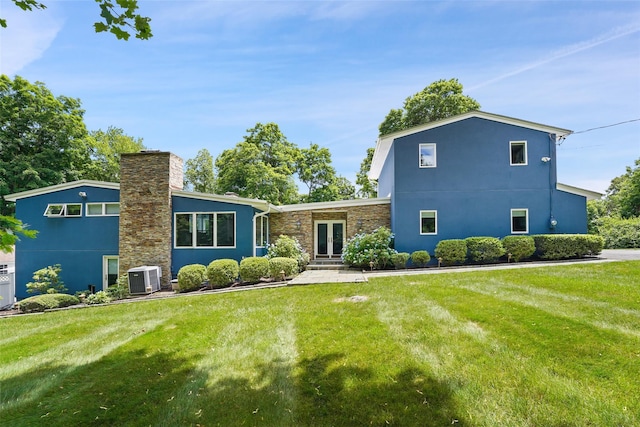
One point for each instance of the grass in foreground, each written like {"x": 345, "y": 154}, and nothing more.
{"x": 549, "y": 346}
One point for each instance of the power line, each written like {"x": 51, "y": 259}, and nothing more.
{"x": 606, "y": 126}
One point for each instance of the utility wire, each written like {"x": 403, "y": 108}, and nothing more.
{"x": 606, "y": 126}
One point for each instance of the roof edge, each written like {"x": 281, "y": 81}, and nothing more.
{"x": 256, "y": 203}
{"x": 60, "y": 187}
{"x": 590, "y": 195}
{"x": 333, "y": 204}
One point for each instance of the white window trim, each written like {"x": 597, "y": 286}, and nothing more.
{"x": 526, "y": 154}
{"x": 103, "y": 209}
{"x": 435, "y": 157}
{"x": 63, "y": 211}
{"x": 526, "y": 210}
{"x": 436, "y": 222}
{"x": 195, "y": 229}
{"x": 264, "y": 233}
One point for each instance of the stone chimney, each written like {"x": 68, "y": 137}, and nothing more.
{"x": 146, "y": 181}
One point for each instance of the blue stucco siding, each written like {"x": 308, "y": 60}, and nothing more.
{"x": 244, "y": 233}
{"x": 570, "y": 210}
{"x": 78, "y": 244}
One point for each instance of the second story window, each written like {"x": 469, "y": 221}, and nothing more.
{"x": 518, "y": 151}
{"x": 63, "y": 210}
{"x": 427, "y": 155}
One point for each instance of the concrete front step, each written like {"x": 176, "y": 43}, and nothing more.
{"x": 335, "y": 265}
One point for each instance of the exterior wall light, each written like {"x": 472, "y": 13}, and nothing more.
{"x": 546, "y": 159}
{"x": 82, "y": 194}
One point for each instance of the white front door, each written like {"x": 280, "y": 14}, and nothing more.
{"x": 329, "y": 238}
{"x": 109, "y": 271}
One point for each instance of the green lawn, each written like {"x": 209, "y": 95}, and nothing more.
{"x": 552, "y": 346}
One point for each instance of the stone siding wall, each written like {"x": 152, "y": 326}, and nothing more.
{"x": 147, "y": 179}
{"x": 300, "y": 224}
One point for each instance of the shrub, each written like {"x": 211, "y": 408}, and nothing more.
{"x": 48, "y": 301}
{"x": 400, "y": 259}
{"x": 374, "y": 247}
{"x": 47, "y": 281}
{"x": 453, "y": 251}
{"x": 420, "y": 258}
{"x": 563, "y": 246}
{"x": 279, "y": 264}
{"x": 121, "y": 288}
{"x": 191, "y": 276}
{"x": 520, "y": 247}
{"x": 289, "y": 247}
{"x": 222, "y": 272}
{"x": 484, "y": 249}
{"x": 253, "y": 269}
{"x": 100, "y": 297}
{"x": 619, "y": 233}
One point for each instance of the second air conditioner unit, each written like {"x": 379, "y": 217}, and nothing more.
{"x": 144, "y": 279}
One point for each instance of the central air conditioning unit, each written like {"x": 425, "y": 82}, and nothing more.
{"x": 144, "y": 279}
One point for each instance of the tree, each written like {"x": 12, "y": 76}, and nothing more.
{"x": 10, "y": 228}
{"x": 118, "y": 17}
{"x": 368, "y": 188}
{"x": 623, "y": 195}
{"x": 199, "y": 173}
{"x": 439, "y": 100}
{"x": 105, "y": 149}
{"x": 340, "y": 188}
{"x": 42, "y": 138}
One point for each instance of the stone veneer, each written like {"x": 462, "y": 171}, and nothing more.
{"x": 146, "y": 181}
{"x": 363, "y": 218}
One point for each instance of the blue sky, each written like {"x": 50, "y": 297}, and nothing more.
{"x": 329, "y": 72}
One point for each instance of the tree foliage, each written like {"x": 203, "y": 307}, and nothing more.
{"x": 623, "y": 195}
{"x": 42, "y": 138}
{"x": 368, "y": 188}
{"x": 118, "y": 17}
{"x": 439, "y": 100}
{"x": 315, "y": 171}
{"x": 10, "y": 230}
{"x": 105, "y": 149}
{"x": 199, "y": 174}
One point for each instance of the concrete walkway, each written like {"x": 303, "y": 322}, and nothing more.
{"x": 354, "y": 276}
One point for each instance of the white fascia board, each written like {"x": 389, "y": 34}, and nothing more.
{"x": 256, "y": 203}
{"x": 60, "y": 187}
{"x": 590, "y": 195}
{"x": 384, "y": 143}
{"x": 333, "y": 205}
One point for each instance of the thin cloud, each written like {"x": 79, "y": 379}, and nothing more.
{"x": 614, "y": 34}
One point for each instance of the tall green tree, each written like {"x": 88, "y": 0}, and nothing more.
{"x": 316, "y": 172}
{"x": 623, "y": 195}
{"x": 105, "y": 149}
{"x": 439, "y": 100}
{"x": 42, "y": 138}
{"x": 199, "y": 174}
{"x": 367, "y": 188}
{"x": 118, "y": 17}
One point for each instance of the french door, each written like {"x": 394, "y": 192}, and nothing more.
{"x": 329, "y": 238}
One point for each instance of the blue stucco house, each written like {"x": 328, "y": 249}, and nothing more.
{"x": 475, "y": 174}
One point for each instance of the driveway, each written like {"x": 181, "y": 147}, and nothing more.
{"x": 621, "y": 254}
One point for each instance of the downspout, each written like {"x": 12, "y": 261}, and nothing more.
{"x": 255, "y": 252}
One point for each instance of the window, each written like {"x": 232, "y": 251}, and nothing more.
{"x": 427, "y": 155}
{"x": 518, "y": 153}
{"x": 428, "y": 222}
{"x": 519, "y": 221}
{"x": 205, "y": 230}
{"x": 262, "y": 231}
{"x": 103, "y": 209}
{"x": 63, "y": 209}
{"x": 4, "y": 268}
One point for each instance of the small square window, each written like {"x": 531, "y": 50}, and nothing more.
{"x": 518, "y": 153}
{"x": 112, "y": 208}
{"x": 428, "y": 222}
{"x": 519, "y": 221}
{"x": 427, "y": 155}
{"x": 54, "y": 210}
{"x": 94, "y": 209}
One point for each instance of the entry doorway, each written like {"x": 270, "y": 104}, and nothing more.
{"x": 329, "y": 238}
{"x": 110, "y": 265}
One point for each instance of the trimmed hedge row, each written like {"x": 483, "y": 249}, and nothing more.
{"x": 44, "y": 302}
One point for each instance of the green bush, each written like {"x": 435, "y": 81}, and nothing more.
{"x": 619, "y": 233}
{"x": 400, "y": 259}
{"x": 191, "y": 276}
{"x": 564, "y": 246}
{"x": 420, "y": 258}
{"x": 484, "y": 249}
{"x": 362, "y": 249}
{"x": 120, "y": 289}
{"x": 450, "y": 252}
{"x": 279, "y": 264}
{"x": 100, "y": 297}
{"x": 289, "y": 247}
{"x": 47, "y": 281}
{"x": 520, "y": 247}
{"x": 49, "y": 301}
{"x": 253, "y": 269}
{"x": 222, "y": 272}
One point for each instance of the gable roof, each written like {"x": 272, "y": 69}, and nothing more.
{"x": 60, "y": 187}
{"x": 384, "y": 143}
{"x": 590, "y": 195}
{"x": 237, "y": 200}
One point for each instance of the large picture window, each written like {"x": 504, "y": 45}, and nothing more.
{"x": 428, "y": 222}
{"x": 427, "y": 155}
{"x": 205, "y": 230}
{"x": 519, "y": 221}
{"x": 518, "y": 153}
